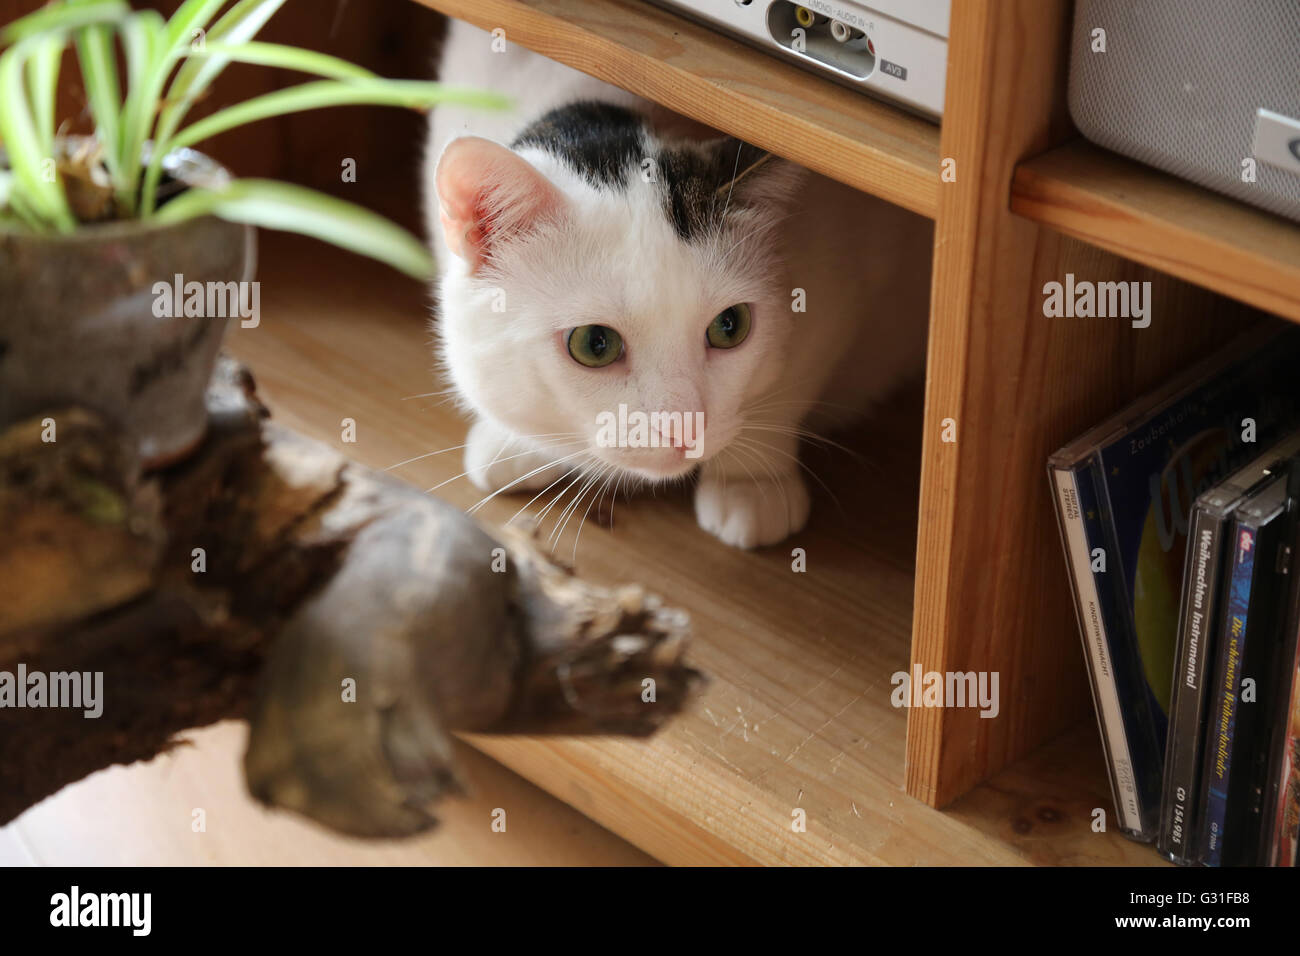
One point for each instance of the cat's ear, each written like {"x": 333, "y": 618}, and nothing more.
{"x": 753, "y": 176}
{"x": 487, "y": 193}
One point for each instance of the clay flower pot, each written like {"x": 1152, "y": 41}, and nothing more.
{"x": 85, "y": 320}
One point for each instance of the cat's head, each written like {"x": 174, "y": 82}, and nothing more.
{"x": 613, "y": 289}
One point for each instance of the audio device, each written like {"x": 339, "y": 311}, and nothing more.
{"x": 896, "y": 49}
{"x": 1208, "y": 90}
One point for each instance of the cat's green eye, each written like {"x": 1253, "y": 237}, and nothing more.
{"x": 595, "y": 346}
{"x": 729, "y": 327}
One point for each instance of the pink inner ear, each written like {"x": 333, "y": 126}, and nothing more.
{"x": 486, "y": 193}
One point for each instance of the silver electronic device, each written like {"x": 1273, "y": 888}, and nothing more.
{"x": 896, "y": 49}
{"x": 1208, "y": 90}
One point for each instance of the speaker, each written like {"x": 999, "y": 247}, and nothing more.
{"x": 1208, "y": 90}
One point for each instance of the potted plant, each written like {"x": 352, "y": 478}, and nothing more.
{"x": 124, "y": 254}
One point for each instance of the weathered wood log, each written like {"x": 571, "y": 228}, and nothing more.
{"x": 354, "y": 621}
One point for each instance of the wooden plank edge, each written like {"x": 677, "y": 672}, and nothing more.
{"x": 1201, "y": 258}
{"x": 910, "y": 182}
{"x": 659, "y": 830}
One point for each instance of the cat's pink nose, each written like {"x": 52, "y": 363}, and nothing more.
{"x": 677, "y": 436}
{"x": 673, "y": 438}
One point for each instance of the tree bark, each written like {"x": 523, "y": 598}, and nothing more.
{"x": 354, "y": 621}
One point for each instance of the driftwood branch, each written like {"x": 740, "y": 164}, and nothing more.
{"x": 355, "y": 622}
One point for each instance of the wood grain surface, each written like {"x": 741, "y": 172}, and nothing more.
{"x": 1172, "y": 225}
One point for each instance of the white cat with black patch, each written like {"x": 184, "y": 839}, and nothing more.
{"x": 597, "y": 252}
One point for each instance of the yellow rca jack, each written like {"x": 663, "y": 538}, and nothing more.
{"x": 804, "y": 17}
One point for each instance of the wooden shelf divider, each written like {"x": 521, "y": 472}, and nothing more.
{"x": 722, "y": 83}
{"x": 1172, "y": 225}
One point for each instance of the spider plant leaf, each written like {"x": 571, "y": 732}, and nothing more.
{"x": 275, "y": 205}
{"x": 98, "y": 59}
{"x": 190, "y": 22}
{"x": 20, "y": 211}
{"x": 240, "y": 24}
{"x": 43, "y": 85}
{"x": 414, "y": 94}
{"x": 141, "y": 34}
{"x": 286, "y": 57}
{"x": 186, "y": 30}
{"x": 148, "y": 61}
{"x": 66, "y": 16}
{"x": 28, "y": 162}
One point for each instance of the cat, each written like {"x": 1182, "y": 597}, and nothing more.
{"x": 600, "y": 257}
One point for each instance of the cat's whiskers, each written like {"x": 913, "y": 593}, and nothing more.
{"x": 528, "y": 504}
{"x": 743, "y": 242}
{"x": 494, "y": 461}
{"x": 585, "y": 478}
{"x": 551, "y": 464}
{"x": 443, "y": 451}
{"x": 582, "y": 471}
{"x": 797, "y": 431}
{"x": 772, "y": 475}
{"x": 768, "y": 447}
{"x": 431, "y": 454}
{"x": 610, "y": 473}
{"x": 572, "y": 509}
{"x": 764, "y": 406}
{"x": 441, "y": 391}
{"x": 735, "y": 451}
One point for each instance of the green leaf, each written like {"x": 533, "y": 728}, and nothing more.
{"x": 64, "y": 17}
{"x": 24, "y": 213}
{"x": 287, "y": 57}
{"x": 191, "y": 17}
{"x": 239, "y": 25}
{"x": 98, "y": 61}
{"x": 43, "y": 85}
{"x": 414, "y": 94}
{"x": 149, "y": 60}
{"x": 275, "y": 205}
{"x": 27, "y": 160}
{"x": 142, "y": 34}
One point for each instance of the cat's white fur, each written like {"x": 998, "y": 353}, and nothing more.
{"x": 614, "y": 259}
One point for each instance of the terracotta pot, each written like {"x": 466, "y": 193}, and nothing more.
{"x": 83, "y": 319}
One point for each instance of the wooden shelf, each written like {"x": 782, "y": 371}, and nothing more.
{"x": 798, "y": 713}
{"x": 1167, "y": 223}
{"x": 718, "y": 81}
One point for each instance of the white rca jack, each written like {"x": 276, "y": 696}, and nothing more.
{"x": 841, "y": 31}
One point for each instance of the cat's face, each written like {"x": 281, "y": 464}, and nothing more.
{"x": 624, "y": 303}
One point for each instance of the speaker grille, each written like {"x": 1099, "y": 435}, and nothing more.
{"x": 1179, "y": 84}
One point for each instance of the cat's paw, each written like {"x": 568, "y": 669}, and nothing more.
{"x": 495, "y": 460}
{"x": 750, "y": 514}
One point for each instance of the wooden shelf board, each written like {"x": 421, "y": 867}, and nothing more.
{"x": 798, "y": 713}
{"x": 723, "y": 83}
{"x": 1175, "y": 226}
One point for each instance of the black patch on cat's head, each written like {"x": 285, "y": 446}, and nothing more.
{"x": 700, "y": 181}
{"x": 603, "y": 142}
